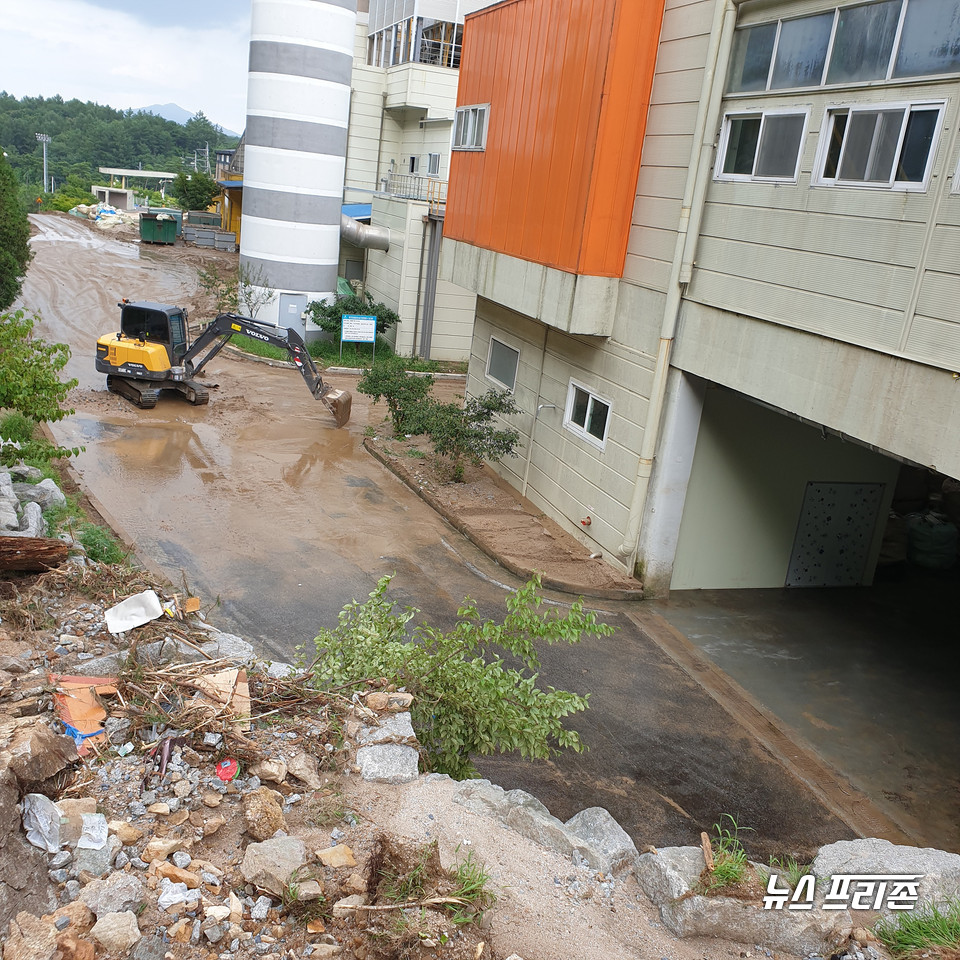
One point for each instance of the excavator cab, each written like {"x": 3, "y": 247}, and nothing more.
{"x": 156, "y": 323}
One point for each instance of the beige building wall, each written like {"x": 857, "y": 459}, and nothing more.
{"x": 746, "y": 490}
{"x": 393, "y": 276}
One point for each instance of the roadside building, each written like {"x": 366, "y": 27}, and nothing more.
{"x": 713, "y": 246}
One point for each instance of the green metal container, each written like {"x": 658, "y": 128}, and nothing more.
{"x": 204, "y": 218}
{"x": 157, "y": 228}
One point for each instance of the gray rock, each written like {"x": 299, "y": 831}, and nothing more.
{"x": 482, "y": 797}
{"x": 271, "y": 864}
{"x": 800, "y": 932}
{"x": 182, "y": 859}
{"x": 31, "y": 524}
{"x": 173, "y": 893}
{"x": 114, "y": 894}
{"x": 60, "y": 859}
{"x": 278, "y": 670}
{"x": 261, "y": 908}
{"x": 215, "y": 933}
{"x": 347, "y": 906}
{"x": 71, "y": 890}
{"x": 149, "y": 948}
{"x": 611, "y": 848}
{"x": 9, "y": 516}
{"x": 45, "y": 493}
{"x": 388, "y": 763}
{"x": 669, "y": 873}
{"x": 58, "y": 876}
{"x": 230, "y": 647}
{"x": 117, "y": 932}
{"x": 940, "y": 871}
{"x": 22, "y": 471}
{"x": 393, "y": 728}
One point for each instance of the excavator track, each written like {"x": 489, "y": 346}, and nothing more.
{"x": 192, "y": 390}
{"x": 142, "y": 393}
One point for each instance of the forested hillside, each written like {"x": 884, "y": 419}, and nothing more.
{"x": 85, "y": 136}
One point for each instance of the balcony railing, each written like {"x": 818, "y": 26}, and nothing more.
{"x": 411, "y": 186}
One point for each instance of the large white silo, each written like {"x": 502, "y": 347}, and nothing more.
{"x": 298, "y": 106}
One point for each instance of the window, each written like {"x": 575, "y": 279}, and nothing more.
{"x": 587, "y": 414}
{"x": 930, "y": 43}
{"x": 761, "y": 146}
{"x": 863, "y": 42}
{"x": 433, "y": 164}
{"x": 502, "y": 362}
{"x": 801, "y": 52}
{"x": 884, "y": 40}
{"x": 470, "y": 128}
{"x": 414, "y": 165}
{"x": 890, "y": 145}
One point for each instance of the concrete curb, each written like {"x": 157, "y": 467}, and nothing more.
{"x": 520, "y": 570}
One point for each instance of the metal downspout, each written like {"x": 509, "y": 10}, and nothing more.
{"x": 430, "y": 287}
{"x": 691, "y": 215}
{"x": 416, "y": 309}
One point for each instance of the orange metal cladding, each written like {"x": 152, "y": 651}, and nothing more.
{"x": 568, "y": 83}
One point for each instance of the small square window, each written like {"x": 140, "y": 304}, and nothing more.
{"x": 502, "y": 363}
{"x": 470, "y": 128}
{"x": 761, "y": 146}
{"x": 587, "y": 414}
{"x": 433, "y": 164}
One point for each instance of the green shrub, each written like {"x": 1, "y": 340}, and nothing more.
{"x": 30, "y": 384}
{"x": 328, "y": 314}
{"x": 17, "y": 427}
{"x": 468, "y": 700}
{"x": 469, "y": 433}
{"x": 404, "y": 395}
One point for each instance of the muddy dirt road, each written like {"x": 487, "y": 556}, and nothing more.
{"x": 258, "y": 500}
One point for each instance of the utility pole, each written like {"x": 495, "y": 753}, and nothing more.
{"x": 44, "y": 139}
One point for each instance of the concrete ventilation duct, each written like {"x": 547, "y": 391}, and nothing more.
{"x": 298, "y": 106}
{"x": 364, "y": 235}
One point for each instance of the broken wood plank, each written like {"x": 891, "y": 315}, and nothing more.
{"x": 31, "y": 553}
{"x": 707, "y": 851}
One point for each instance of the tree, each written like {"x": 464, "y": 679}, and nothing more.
{"x": 14, "y": 237}
{"x": 468, "y": 700}
{"x": 194, "y": 190}
{"x": 30, "y": 386}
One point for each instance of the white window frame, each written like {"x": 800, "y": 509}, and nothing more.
{"x": 469, "y": 139}
{"x": 433, "y": 164}
{"x": 413, "y": 164}
{"x": 581, "y": 431}
{"x": 506, "y": 386}
{"x": 763, "y": 114}
{"x": 826, "y": 130}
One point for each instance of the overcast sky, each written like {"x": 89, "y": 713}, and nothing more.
{"x": 130, "y": 53}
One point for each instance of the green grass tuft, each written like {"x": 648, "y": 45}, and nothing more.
{"x": 917, "y": 931}
{"x": 472, "y": 885}
{"x": 729, "y": 857}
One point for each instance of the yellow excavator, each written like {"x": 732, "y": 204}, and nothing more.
{"x": 152, "y": 352}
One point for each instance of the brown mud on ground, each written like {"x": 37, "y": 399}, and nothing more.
{"x": 497, "y": 519}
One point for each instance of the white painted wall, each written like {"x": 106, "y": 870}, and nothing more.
{"x": 749, "y": 475}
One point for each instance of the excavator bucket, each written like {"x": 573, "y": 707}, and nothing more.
{"x": 339, "y": 403}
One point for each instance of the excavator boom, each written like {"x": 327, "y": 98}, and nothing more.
{"x": 218, "y": 332}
